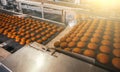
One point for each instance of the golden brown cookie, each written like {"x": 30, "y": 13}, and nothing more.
{"x": 63, "y": 44}
{"x": 107, "y": 37}
{"x": 103, "y": 58}
{"x": 71, "y": 44}
{"x": 97, "y": 35}
{"x": 106, "y": 42}
{"x": 116, "y": 62}
{"x": 57, "y": 44}
{"x": 84, "y": 38}
{"x": 75, "y": 39}
{"x": 68, "y": 39}
{"x": 116, "y": 45}
{"x": 67, "y": 49}
{"x": 117, "y": 40}
{"x": 92, "y": 46}
{"x": 105, "y": 49}
{"x": 89, "y": 53}
{"x": 76, "y": 50}
{"x": 81, "y": 44}
{"x": 95, "y": 40}
{"x": 63, "y": 39}
{"x": 116, "y": 52}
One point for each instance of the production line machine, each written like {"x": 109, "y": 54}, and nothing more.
{"x": 48, "y": 45}
{"x": 45, "y": 37}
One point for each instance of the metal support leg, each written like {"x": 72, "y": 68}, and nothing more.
{"x": 63, "y": 16}
{"x": 20, "y": 7}
{"x": 42, "y": 11}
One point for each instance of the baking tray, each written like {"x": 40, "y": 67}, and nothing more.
{"x": 108, "y": 66}
{"x": 13, "y": 46}
{"x": 49, "y": 22}
{"x": 45, "y": 21}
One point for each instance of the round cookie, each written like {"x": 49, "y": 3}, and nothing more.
{"x": 68, "y": 39}
{"x": 95, "y": 40}
{"x": 57, "y": 44}
{"x": 63, "y": 39}
{"x": 107, "y": 33}
{"x": 71, "y": 44}
{"x": 92, "y": 46}
{"x": 116, "y": 45}
{"x": 39, "y": 41}
{"x": 28, "y": 41}
{"x": 117, "y": 35}
{"x": 75, "y": 39}
{"x": 84, "y": 38}
{"x": 81, "y": 44}
{"x": 116, "y": 52}
{"x": 97, "y": 35}
{"x": 22, "y": 42}
{"x": 103, "y": 58}
{"x": 104, "y": 49}
{"x": 72, "y": 35}
{"x": 106, "y": 42}
{"x": 117, "y": 39}
{"x": 89, "y": 53}
{"x": 44, "y": 38}
{"x": 63, "y": 44}
{"x": 106, "y": 37}
{"x": 67, "y": 49}
{"x": 76, "y": 50}
{"x": 116, "y": 62}
{"x": 98, "y": 31}
{"x": 87, "y": 34}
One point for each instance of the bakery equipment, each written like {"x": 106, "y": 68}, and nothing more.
{"x": 3, "y": 54}
{"x": 35, "y": 58}
{"x": 14, "y": 45}
{"x": 83, "y": 40}
{"x": 62, "y": 12}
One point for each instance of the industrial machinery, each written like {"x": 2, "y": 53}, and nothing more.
{"x": 59, "y": 36}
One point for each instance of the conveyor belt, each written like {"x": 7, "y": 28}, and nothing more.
{"x": 84, "y": 32}
{"x": 14, "y": 46}
{"x": 32, "y": 60}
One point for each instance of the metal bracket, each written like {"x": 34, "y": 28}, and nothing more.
{"x": 38, "y": 46}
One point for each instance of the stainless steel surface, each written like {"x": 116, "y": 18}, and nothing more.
{"x": 29, "y": 59}
{"x": 4, "y": 54}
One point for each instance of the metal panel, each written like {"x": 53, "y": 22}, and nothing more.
{"x": 3, "y": 68}
{"x": 29, "y": 59}
{"x": 4, "y": 54}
